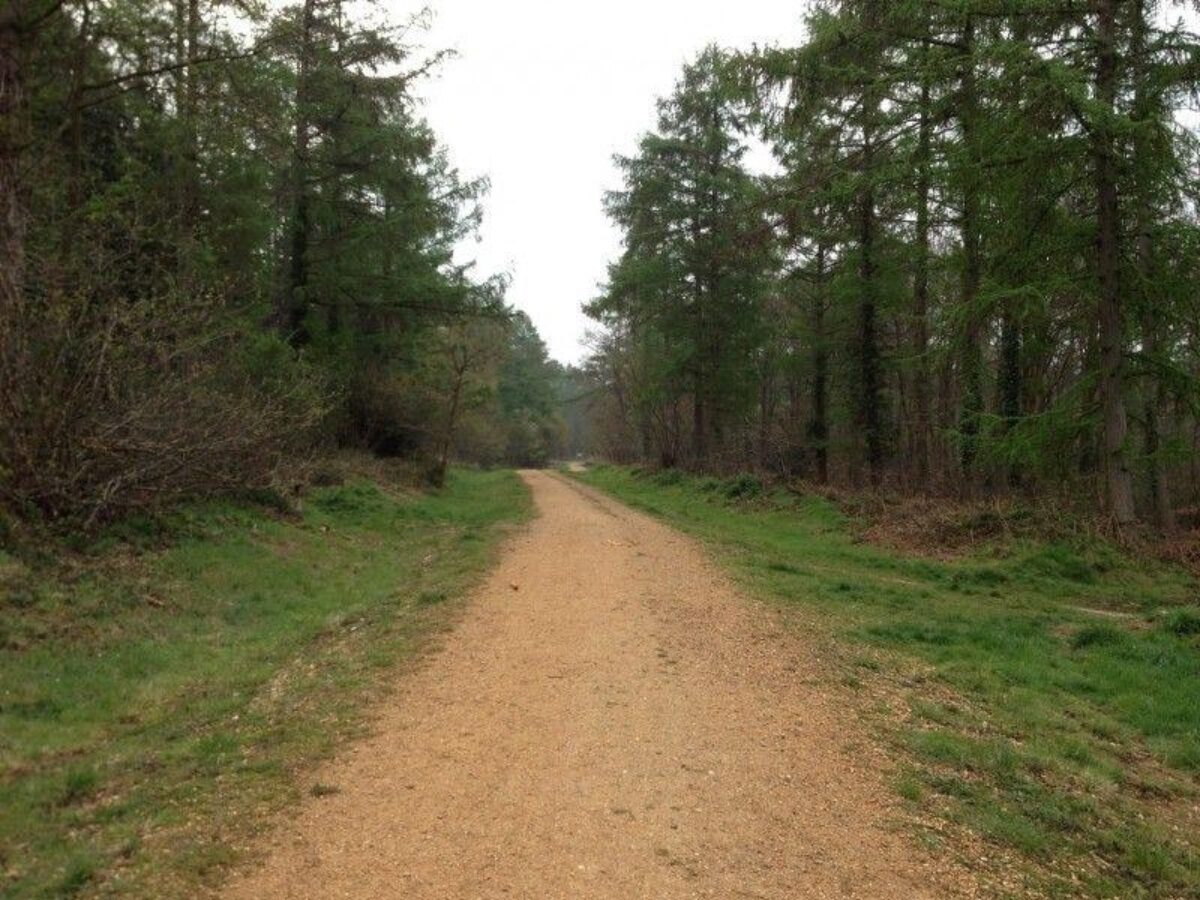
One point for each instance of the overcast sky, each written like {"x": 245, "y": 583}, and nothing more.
{"x": 541, "y": 96}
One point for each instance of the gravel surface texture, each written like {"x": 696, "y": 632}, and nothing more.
{"x": 609, "y": 719}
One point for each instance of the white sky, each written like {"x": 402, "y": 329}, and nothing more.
{"x": 541, "y": 96}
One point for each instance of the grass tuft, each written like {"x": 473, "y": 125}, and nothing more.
{"x": 1097, "y": 636}
{"x": 1183, "y": 622}
{"x": 80, "y": 872}
{"x": 743, "y": 487}
{"x": 79, "y": 784}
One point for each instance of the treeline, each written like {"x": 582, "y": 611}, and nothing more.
{"x": 226, "y": 242}
{"x": 972, "y": 269}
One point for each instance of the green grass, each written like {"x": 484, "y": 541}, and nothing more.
{"x": 1050, "y": 693}
{"x": 149, "y": 701}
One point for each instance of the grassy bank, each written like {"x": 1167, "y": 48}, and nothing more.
{"x": 151, "y": 699}
{"x": 1043, "y": 699}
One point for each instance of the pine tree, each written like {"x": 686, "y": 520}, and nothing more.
{"x": 695, "y": 254}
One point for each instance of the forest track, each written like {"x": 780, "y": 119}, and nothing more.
{"x": 611, "y": 719}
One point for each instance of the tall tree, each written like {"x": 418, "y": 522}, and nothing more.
{"x": 696, "y": 251}
{"x": 1110, "y": 311}
{"x": 983, "y": 221}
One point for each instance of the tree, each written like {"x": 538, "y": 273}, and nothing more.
{"x": 695, "y": 256}
{"x": 237, "y": 245}
{"x": 976, "y": 257}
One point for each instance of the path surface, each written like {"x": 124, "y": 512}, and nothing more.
{"x": 620, "y": 725}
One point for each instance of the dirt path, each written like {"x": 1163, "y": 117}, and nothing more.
{"x": 621, "y": 725}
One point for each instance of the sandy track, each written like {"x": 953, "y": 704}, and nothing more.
{"x": 623, "y": 725}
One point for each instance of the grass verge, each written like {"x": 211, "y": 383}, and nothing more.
{"x": 1045, "y": 698}
{"x": 156, "y": 707}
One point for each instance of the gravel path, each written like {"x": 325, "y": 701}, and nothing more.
{"x": 609, "y": 720}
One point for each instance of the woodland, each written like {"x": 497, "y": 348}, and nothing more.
{"x": 226, "y": 249}
{"x": 902, "y": 334}
{"x": 229, "y": 245}
{"x": 969, "y": 271}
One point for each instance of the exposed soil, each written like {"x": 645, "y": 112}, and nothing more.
{"x": 609, "y": 720}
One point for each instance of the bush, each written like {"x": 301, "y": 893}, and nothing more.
{"x": 380, "y": 413}
{"x": 114, "y": 407}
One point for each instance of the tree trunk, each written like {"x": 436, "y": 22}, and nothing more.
{"x": 1118, "y": 478}
{"x": 187, "y": 49}
{"x": 920, "y": 338}
{"x": 13, "y": 210}
{"x": 766, "y": 413}
{"x": 1155, "y": 393}
{"x": 972, "y": 355}
{"x": 1010, "y": 370}
{"x": 670, "y": 454}
{"x": 870, "y": 412}
{"x": 76, "y": 156}
{"x": 868, "y": 347}
{"x": 699, "y": 422}
{"x": 1011, "y": 393}
{"x": 459, "y": 367}
{"x": 1156, "y": 399}
{"x": 296, "y": 299}
{"x": 818, "y": 425}
{"x": 191, "y": 93}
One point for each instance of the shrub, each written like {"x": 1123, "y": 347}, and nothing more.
{"x": 380, "y": 411}
{"x": 115, "y": 407}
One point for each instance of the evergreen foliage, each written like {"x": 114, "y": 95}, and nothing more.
{"x": 969, "y": 270}
{"x": 227, "y": 241}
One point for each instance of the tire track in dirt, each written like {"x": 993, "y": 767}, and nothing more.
{"x": 621, "y": 725}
